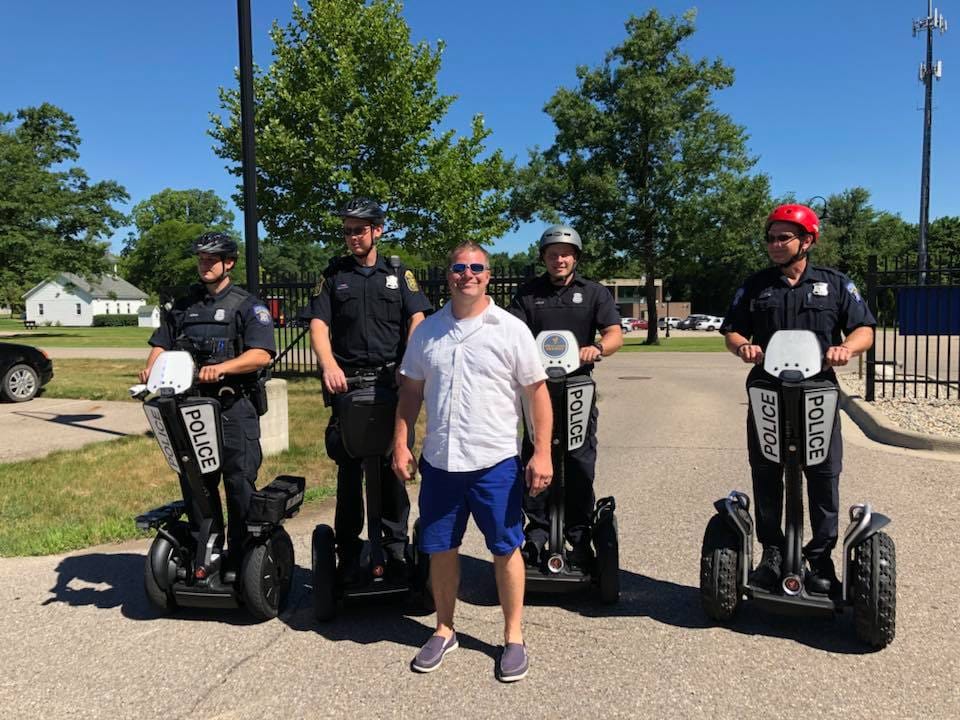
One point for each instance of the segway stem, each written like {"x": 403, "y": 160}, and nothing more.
{"x": 371, "y": 474}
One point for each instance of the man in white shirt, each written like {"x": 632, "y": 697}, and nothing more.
{"x": 472, "y": 362}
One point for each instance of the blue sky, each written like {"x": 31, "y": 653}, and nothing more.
{"x": 827, "y": 91}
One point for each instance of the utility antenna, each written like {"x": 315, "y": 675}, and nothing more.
{"x": 928, "y": 71}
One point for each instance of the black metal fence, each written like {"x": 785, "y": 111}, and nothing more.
{"x": 916, "y": 352}
{"x": 287, "y": 295}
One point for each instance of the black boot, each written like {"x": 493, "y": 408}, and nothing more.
{"x": 767, "y": 573}
{"x": 821, "y": 577}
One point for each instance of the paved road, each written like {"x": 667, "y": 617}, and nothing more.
{"x": 77, "y": 637}
{"x": 43, "y": 425}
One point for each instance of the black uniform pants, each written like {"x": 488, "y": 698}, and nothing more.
{"x": 823, "y": 494}
{"x": 240, "y": 460}
{"x": 349, "y": 517}
{"x": 580, "y": 470}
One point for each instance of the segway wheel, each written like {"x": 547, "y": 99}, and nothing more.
{"x": 324, "y": 573}
{"x": 267, "y": 575}
{"x": 422, "y": 596}
{"x": 608, "y": 558}
{"x": 875, "y": 590}
{"x": 719, "y": 559}
{"x": 159, "y": 573}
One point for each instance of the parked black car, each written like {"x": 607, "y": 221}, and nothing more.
{"x": 690, "y": 322}
{"x": 24, "y": 370}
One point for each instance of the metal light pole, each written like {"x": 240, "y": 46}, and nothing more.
{"x": 249, "y": 162}
{"x": 667, "y": 319}
{"x": 928, "y": 71}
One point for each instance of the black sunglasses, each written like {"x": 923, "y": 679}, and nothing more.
{"x": 355, "y": 230}
{"x": 782, "y": 238}
{"x": 461, "y": 268}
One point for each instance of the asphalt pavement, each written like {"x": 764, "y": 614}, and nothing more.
{"x": 78, "y": 638}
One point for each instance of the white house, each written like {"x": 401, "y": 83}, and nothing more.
{"x": 68, "y": 299}
{"x": 148, "y": 316}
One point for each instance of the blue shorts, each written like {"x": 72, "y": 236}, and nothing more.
{"x": 493, "y": 495}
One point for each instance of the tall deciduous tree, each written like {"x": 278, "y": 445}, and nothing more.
{"x": 350, "y": 106}
{"x": 159, "y": 254}
{"x": 52, "y": 218}
{"x": 640, "y": 151}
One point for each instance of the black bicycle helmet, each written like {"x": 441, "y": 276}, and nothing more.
{"x": 216, "y": 243}
{"x": 363, "y": 208}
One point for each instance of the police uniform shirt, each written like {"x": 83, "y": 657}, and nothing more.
{"x": 823, "y": 300}
{"x": 581, "y": 306}
{"x": 206, "y": 320}
{"x": 367, "y": 310}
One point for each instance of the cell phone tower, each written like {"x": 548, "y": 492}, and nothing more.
{"x": 928, "y": 71}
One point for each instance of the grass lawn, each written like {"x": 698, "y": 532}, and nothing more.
{"x": 74, "y": 499}
{"x": 712, "y": 342}
{"x": 121, "y": 337}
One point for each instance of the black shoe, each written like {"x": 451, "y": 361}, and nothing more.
{"x": 581, "y": 556}
{"x": 531, "y": 553}
{"x": 767, "y": 574}
{"x": 820, "y": 577}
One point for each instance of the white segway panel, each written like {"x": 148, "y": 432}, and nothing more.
{"x": 819, "y": 409}
{"x": 173, "y": 369}
{"x": 765, "y": 403}
{"x": 162, "y": 436}
{"x": 793, "y": 350}
{"x": 579, "y": 405}
{"x": 200, "y": 420}
{"x": 559, "y": 349}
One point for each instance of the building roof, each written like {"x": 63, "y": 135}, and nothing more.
{"x": 146, "y": 310}
{"x": 104, "y": 287}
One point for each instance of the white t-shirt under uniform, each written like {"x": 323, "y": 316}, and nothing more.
{"x": 474, "y": 371}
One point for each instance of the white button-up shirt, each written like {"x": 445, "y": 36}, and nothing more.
{"x": 474, "y": 371}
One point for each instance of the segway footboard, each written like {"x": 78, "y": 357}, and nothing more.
{"x": 163, "y": 515}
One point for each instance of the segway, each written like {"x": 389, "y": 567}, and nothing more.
{"x": 794, "y": 417}
{"x": 186, "y": 564}
{"x": 572, "y": 398}
{"x": 367, "y": 414}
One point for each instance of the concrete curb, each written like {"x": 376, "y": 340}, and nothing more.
{"x": 876, "y": 427}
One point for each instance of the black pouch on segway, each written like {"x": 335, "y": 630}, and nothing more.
{"x": 366, "y": 420}
{"x": 280, "y": 499}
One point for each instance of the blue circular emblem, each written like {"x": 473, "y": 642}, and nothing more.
{"x": 554, "y": 345}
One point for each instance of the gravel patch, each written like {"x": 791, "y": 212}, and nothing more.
{"x": 933, "y": 416}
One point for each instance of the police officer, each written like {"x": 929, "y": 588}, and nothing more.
{"x": 562, "y": 299}
{"x": 796, "y": 295}
{"x": 361, "y": 318}
{"x": 229, "y": 333}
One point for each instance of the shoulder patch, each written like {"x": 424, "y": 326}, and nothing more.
{"x": 411, "y": 281}
{"x": 737, "y": 297}
{"x": 262, "y": 314}
{"x": 852, "y": 289}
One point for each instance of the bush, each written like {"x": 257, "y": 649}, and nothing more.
{"x": 114, "y": 320}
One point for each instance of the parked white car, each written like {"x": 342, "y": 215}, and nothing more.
{"x": 626, "y": 323}
{"x": 671, "y": 321}
{"x": 710, "y": 323}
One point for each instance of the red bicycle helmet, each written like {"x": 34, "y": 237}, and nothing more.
{"x": 798, "y": 215}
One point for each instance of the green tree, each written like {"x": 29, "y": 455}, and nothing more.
{"x": 639, "y": 151}
{"x": 158, "y": 255}
{"x": 201, "y": 207}
{"x": 943, "y": 240}
{"x": 350, "y": 106}
{"x": 52, "y": 217}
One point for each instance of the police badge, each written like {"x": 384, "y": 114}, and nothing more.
{"x": 577, "y": 298}
{"x": 392, "y": 282}
{"x": 219, "y": 314}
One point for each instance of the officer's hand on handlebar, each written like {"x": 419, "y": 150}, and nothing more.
{"x": 751, "y": 354}
{"x": 334, "y": 380}
{"x": 211, "y": 373}
{"x": 589, "y": 354}
{"x": 837, "y": 356}
{"x": 539, "y": 473}
{"x": 403, "y": 464}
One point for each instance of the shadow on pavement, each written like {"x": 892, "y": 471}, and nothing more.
{"x": 371, "y": 621}
{"x": 118, "y": 578}
{"x": 679, "y": 605}
{"x": 72, "y": 420}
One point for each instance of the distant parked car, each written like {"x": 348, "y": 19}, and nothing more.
{"x": 710, "y": 323}
{"x": 23, "y": 371}
{"x": 639, "y": 325}
{"x": 626, "y": 323}
{"x": 664, "y": 321}
{"x": 690, "y": 322}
